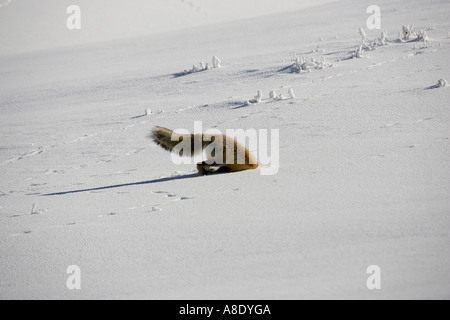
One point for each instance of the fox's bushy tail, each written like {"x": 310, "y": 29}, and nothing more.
{"x": 168, "y": 139}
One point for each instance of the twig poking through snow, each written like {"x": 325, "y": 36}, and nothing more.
{"x": 303, "y": 65}
{"x": 363, "y": 35}
{"x": 258, "y": 97}
{"x": 291, "y": 93}
{"x": 369, "y": 44}
{"x": 35, "y": 211}
{"x": 442, "y": 83}
{"x": 202, "y": 67}
{"x": 272, "y": 94}
{"x": 407, "y": 32}
{"x": 409, "y": 35}
{"x": 422, "y": 36}
{"x": 280, "y": 97}
{"x": 216, "y": 62}
{"x": 383, "y": 39}
{"x": 359, "y": 52}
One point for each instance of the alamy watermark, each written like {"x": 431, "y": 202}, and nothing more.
{"x": 374, "y": 280}
{"x": 74, "y": 280}
{"x": 374, "y": 21}
{"x": 73, "y": 22}
{"x": 222, "y": 149}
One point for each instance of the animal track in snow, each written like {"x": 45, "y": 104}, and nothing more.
{"x": 134, "y": 151}
{"x": 109, "y": 214}
{"x": 390, "y": 125}
{"x": 22, "y": 156}
{"x": 86, "y": 136}
{"x": 426, "y": 119}
{"x": 21, "y": 233}
{"x": 159, "y": 192}
{"x": 172, "y": 196}
{"x": 155, "y": 209}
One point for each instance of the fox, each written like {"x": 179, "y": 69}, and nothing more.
{"x": 168, "y": 140}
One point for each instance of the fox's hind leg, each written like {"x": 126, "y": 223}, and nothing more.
{"x": 205, "y": 169}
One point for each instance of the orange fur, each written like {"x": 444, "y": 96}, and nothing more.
{"x": 164, "y": 137}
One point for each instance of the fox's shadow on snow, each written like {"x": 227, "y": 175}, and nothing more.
{"x": 189, "y": 176}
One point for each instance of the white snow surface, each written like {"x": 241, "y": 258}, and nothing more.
{"x": 29, "y": 25}
{"x": 364, "y": 162}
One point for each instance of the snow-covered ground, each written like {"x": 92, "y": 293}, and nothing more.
{"x": 27, "y": 25}
{"x": 364, "y": 162}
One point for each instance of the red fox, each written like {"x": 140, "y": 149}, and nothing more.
{"x": 242, "y": 159}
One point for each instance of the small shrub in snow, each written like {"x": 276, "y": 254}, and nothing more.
{"x": 258, "y": 97}
{"x": 203, "y": 67}
{"x": 366, "y": 43}
{"x": 303, "y": 65}
{"x": 383, "y": 39}
{"x": 422, "y": 36}
{"x": 149, "y": 112}
{"x": 363, "y": 35}
{"x": 409, "y": 35}
{"x": 216, "y": 62}
{"x": 272, "y": 94}
{"x": 359, "y": 52}
{"x": 369, "y": 44}
{"x": 34, "y": 209}
{"x": 280, "y": 97}
{"x": 291, "y": 93}
{"x": 407, "y": 32}
{"x": 442, "y": 83}
{"x": 317, "y": 50}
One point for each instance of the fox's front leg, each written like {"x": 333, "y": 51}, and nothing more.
{"x": 205, "y": 169}
{"x": 200, "y": 169}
